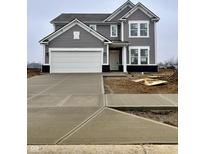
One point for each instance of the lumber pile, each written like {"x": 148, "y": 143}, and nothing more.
{"x": 150, "y": 82}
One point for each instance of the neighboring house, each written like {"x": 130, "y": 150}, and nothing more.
{"x": 124, "y": 40}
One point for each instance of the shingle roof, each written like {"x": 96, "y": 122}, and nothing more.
{"x": 67, "y": 17}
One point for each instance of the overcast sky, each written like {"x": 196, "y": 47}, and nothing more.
{"x": 41, "y": 12}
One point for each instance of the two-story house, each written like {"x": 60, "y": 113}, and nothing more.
{"x": 124, "y": 40}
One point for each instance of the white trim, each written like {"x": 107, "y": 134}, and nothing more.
{"x": 155, "y": 41}
{"x": 94, "y": 26}
{"x": 122, "y": 31}
{"x": 116, "y": 26}
{"x": 74, "y": 49}
{"x": 121, "y": 8}
{"x": 143, "y": 9}
{"x": 139, "y": 54}
{"x": 107, "y": 54}
{"x": 138, "y": 28}
{"x": 124, "y": 58}
{"x": 70, "y": 25}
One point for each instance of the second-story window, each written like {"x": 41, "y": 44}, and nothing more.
{"x": 113, "y": 31}
{"x": 138, "y": 29}
{"x": 94, "y": 27}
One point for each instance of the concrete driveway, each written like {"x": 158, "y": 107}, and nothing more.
{"x": 71, "y": 109}
{"x": 60, "y": 102}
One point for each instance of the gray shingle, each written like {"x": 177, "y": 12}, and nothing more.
{"x": 67, "y": 17}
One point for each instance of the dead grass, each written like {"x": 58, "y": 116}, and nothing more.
{"x": 169, "y": 117}
{"x": 125, "y": 85}
{"x": 33, "y": 72}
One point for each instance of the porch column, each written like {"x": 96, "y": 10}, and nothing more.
{"x": 108, "y": 54}
{"x": 124, "y": 58}
{"x": 122, "y": 31}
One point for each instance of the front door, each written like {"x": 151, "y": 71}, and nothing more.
{"x": 114, "y": 60}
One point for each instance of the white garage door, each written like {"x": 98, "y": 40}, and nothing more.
{"x": 75, "y": 62}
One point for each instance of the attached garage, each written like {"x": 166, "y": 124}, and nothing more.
{"x": 76, "y": 61}
{"x": 74, "y": 48}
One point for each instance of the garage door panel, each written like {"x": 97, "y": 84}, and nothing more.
{"x": 75, "y": 62}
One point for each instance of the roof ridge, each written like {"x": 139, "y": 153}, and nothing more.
{"x": 85, "y": 13}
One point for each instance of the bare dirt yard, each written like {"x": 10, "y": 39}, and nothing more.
{"x": 167, "y": 116}
{"x": 126, "y": 85}
{"x": 33, "y": 72}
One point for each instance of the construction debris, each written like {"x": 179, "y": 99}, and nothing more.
{"x": 153, "y": 76}
{"x": 154, "y": 82}
{"x": 150, "y": 82}
{"x": 139, "y": 80}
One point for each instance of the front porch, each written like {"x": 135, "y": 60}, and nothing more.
{"x": 117, "y": 58}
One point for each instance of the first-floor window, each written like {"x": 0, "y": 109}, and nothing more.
{"x": 139, "y": 55}
{"x": 144, "y": 56}
{"x": 134, "y": 56}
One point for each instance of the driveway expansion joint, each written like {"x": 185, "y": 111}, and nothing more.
{"x": 79, "y": 126}
{"x": 52, "y": 86}
{"x": 75, "y": 129}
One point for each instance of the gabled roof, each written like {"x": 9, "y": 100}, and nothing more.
{"x": 121, "y": 8}
{"x": 68, "y": 17}
{"x": 70, "y": 25}
{"x": 142, "y": 8}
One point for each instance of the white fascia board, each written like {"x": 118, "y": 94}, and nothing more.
{"x": 121, "y": 8}
{"x": 143, "y": 9}
{"x": 75, "y": 49}
{"x": 70, "y": 25}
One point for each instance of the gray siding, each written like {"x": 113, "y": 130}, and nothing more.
{"x": 46, "y": 55}
{"x": 58, "y": 26}
{"x": 86, "y": 40}
{"x": 66, "y": 40}
{"x": 139, "y": 15}
{"x": 121, "y": 14}
{"x": 105, "y": 31}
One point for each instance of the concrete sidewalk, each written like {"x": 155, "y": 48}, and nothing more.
{"x": 142, "y": 100}
{"x": 116, "y": 127}
{"x": 103, "y": 149}
{"x": 71, "y": 109}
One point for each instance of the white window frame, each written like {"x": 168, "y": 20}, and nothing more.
{"x": 138, "y": 28}
{"x": 94, "y": 27}
{"x": 116, "y": 26}
{"x": 139, "y": 54}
